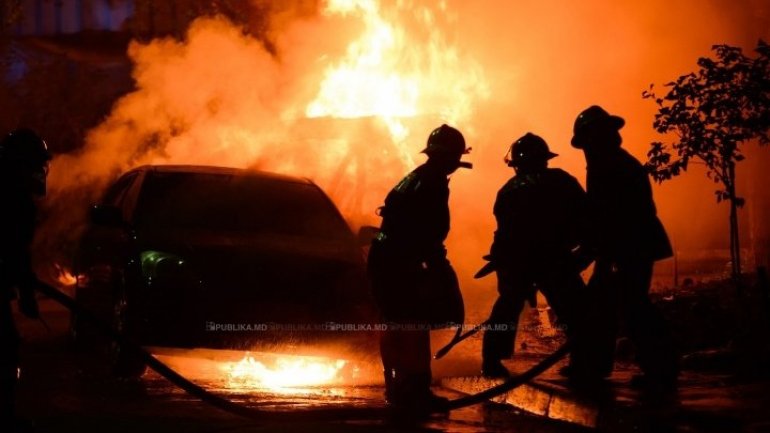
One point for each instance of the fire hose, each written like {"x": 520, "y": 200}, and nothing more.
{"x": 328, "y": 414}
{"x": 458, "y": 338}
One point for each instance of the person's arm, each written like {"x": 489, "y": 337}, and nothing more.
{"x": 26, "y": 284}
{"x": 583, "y": 253}
{"x": 430, "y": 217}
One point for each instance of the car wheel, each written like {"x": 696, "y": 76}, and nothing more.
{"x": 80, "y": 333}
{"x": 125, "y": 363}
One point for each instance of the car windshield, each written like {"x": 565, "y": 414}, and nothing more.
{"x": 237, "y": 203}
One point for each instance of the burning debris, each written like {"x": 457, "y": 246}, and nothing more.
{"x": 277, "y": 370}
{"x": 281, "y": 373}
{"x": 64, "y": 277}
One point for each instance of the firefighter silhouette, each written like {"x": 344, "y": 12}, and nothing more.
{"x": 413, "y": 283}
{"x": 627, "y": 238}
{"x": 23, "y": 169}
{"x": 540, "y": 225}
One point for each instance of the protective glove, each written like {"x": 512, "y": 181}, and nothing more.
{"x": 582, "y": 258}
{"x": 436, "y": 259}
{"x": 488, "y": 268}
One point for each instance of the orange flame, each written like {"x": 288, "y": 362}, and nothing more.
{"x": 285, "y": 372}
{"x": 64, "y": 276}
{"x": 390, "y": 74}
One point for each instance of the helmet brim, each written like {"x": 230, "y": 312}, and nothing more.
{"x": 428, "y": 151}
{"x": 463, "y": 164}
{"x": 516, "y": 163}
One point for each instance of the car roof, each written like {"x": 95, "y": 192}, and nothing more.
{"x": 207, "y": 169}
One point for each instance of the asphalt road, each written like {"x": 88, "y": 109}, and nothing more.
{"x": 65, "y": 389}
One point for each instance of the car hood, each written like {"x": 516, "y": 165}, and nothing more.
{"x": 262, "y": 268}
{"x": 239, "y": 279}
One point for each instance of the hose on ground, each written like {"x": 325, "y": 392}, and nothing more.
{"x": 326, "y": 414}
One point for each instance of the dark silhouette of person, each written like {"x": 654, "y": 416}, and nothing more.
{"x": 23, "y": 169}
{"x": 540, "y": 215}
{"x": 627, "y": 238}
{"x": 413, "y": 283}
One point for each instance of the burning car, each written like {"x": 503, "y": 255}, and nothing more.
{"x": 194, "y": 256}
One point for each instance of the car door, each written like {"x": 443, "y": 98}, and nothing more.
{"x": 106, "y": 248}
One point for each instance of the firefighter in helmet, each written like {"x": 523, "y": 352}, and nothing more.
{"x": 23, "y": 169}
{"x": 628, "y": 238}
{"x": 413, "y": 283}
{"x": 540, "y": 224}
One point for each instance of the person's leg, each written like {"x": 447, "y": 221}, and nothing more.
{"x": 389, "y": 351}
{"x": 9, "y": 362}
{"x": 564, "y": 292}
{"x": 391, "y": 282}
{"x": 596, "y": 325}
{"x": 417, "y": 358}
{"x": 498, "y": 341}
{"x": 647, "y": 328}
{"x": 409, "y": 377}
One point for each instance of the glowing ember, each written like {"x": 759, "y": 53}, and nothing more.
{"x": 64, "y": 276}
{"x": 284, "y": 372}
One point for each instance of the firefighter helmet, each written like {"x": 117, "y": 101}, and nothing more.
{"x": 528, "y": 149}
{"x": 24, "y": 147}
{"x": 591, "y": 117}
{"x": 24, "y": 153}
{"x": 445, "y": 140}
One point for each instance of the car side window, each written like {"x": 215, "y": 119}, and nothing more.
{"x": 130, "y": 197}
{"x": 114, "y": 194}
{"x": 121, "y": 193}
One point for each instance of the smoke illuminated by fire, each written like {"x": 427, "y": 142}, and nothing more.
{"x": 347, "y": 97}
{"x": 220, "y": 98}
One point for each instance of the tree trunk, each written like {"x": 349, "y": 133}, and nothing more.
{"x": 735, "y": 240}
{"x": 735, "y": 245}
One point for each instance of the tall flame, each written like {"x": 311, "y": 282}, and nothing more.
{"x": 393, "y": 71}
{"x": 368, "y": 80}
{"x": 64, "y": 276}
